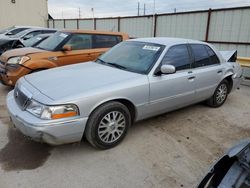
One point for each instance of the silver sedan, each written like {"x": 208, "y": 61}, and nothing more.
{"x": 136, "y": 79}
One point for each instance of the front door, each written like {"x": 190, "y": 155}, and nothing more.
{"x": 172, "y": 91}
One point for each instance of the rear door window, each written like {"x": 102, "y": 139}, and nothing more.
{"x": 201, "y": 56}
{"x": 48, "y": 31}
{"x": 178, "y": 56}
{"x": 106, "y": 41}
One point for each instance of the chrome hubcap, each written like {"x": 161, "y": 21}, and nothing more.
{"x": 111, "y": 127}
{"x": 221, "y": 93}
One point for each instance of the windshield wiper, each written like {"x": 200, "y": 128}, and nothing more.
{"x": 112, "y": 64}
{"x": 101, "y": 60}
{"x": 40, "y": 48}
{"x": 117, "y": 66}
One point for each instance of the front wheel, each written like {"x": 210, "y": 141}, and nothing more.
{"x": 108, "y": 125}
{"x": 220, "y": 95}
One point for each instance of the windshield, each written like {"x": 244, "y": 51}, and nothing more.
{"x": 32, "y": 41}
{"x": 53, "y": 42}
{"x": 132, "y": 56}
{"x": 19, "y": 34}
{"x": 6, "y": 30}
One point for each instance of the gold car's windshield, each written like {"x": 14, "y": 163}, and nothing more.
{"x": 54, "y": 41}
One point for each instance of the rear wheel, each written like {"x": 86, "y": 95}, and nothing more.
{"x": 220, "y": 95}
{"x": 108, "y": 125}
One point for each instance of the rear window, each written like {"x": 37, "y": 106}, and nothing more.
{"x": 213, "y": 57}
{"x": 18, "y": 30}
{"x": 106, "y": 41}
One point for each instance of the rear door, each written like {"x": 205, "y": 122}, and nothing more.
{"x": 207, "y": 69}
{"x": 85, "y": 47}
{"x": 172, "y": 91}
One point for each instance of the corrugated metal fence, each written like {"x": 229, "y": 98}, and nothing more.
{"x": 227, "y": 28}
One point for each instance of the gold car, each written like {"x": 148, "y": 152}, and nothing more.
{"x": 62, "y": 48}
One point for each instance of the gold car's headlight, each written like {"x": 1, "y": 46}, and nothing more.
{"x": 52, "y": 112}
{"x": 18, "y": 60}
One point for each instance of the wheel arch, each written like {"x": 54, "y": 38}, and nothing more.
{"x": 43, "y": 64}
{"x": 128, "y": 103}
{"x": 228, "y": 77}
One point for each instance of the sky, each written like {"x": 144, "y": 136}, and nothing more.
{"x": 113, "y": 8}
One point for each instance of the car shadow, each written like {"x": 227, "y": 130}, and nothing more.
{"x": 22, "y": 153}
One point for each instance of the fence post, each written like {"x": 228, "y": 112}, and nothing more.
{"x": 208, "y": 24}
{"x": 64, "y": 23}
{"x": 119, "y": 24}
{"x": 94, "y": 23}
{"x": 155, "y": 24}
{"x": 53, "y": 23}
{"x": 77, "y": 23}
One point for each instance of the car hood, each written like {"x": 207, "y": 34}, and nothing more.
{"x": 77, "y": 80}
{"x": 21, "y": 52}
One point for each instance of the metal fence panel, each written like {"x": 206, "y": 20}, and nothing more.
{"x": 86, "y": 24}
{"x": 71, "y": 24}
{"x": 243, "y": 50}
{"x": 138, "y": 26}
{"x": 182, "y": 25}
{"x": 107, "y": 24}
{"x": 227, "y": 28}
{"x": 59, "y": 24}
{"x": 230, "y": 25}
{"x": 50, "y": 23}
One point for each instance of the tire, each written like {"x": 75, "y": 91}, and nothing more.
{"x": 220, "y": 95}
{"x": 108, "y": 125}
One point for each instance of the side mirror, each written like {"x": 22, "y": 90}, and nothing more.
{"x": 168, "y": 69}
{"x": 66, "y": 48}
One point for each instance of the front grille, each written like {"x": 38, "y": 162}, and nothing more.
{"x": 21, "y": 99}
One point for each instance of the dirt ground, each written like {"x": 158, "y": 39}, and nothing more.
{"x": 171, "y": 150}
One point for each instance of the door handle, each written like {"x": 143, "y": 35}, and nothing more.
{"x": 219, "y": 72}
{"x": 191, "y": 78}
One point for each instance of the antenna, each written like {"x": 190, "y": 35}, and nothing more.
{"x": 79, "y": 11}
{"x": 138, "y": 9}
{"x": 144, "y": 9}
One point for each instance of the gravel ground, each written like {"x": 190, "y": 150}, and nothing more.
{"x": 171, "y": 150}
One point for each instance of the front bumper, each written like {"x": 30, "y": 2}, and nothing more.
{"x": 9, "y": 76}
{"x": 48, "y": 131}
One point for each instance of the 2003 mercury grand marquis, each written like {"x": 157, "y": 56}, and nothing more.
{"x": 136, "y": 79}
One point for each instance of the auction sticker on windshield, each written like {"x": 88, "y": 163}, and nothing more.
{"x": 152, "y": 48}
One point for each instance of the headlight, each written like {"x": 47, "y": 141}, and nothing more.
{"x": 52, "y": 112}
{"x": 18, "y": 60}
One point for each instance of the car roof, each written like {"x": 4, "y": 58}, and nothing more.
{"x": 94, "y": 32}
{"x": 39, "y": 28}
{"x": 167, "y": 41}
{"x": 22, "y": 26}
{"x": 44, "y": 35}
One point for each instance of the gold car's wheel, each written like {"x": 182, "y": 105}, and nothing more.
{"x": 108, "y": 125}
